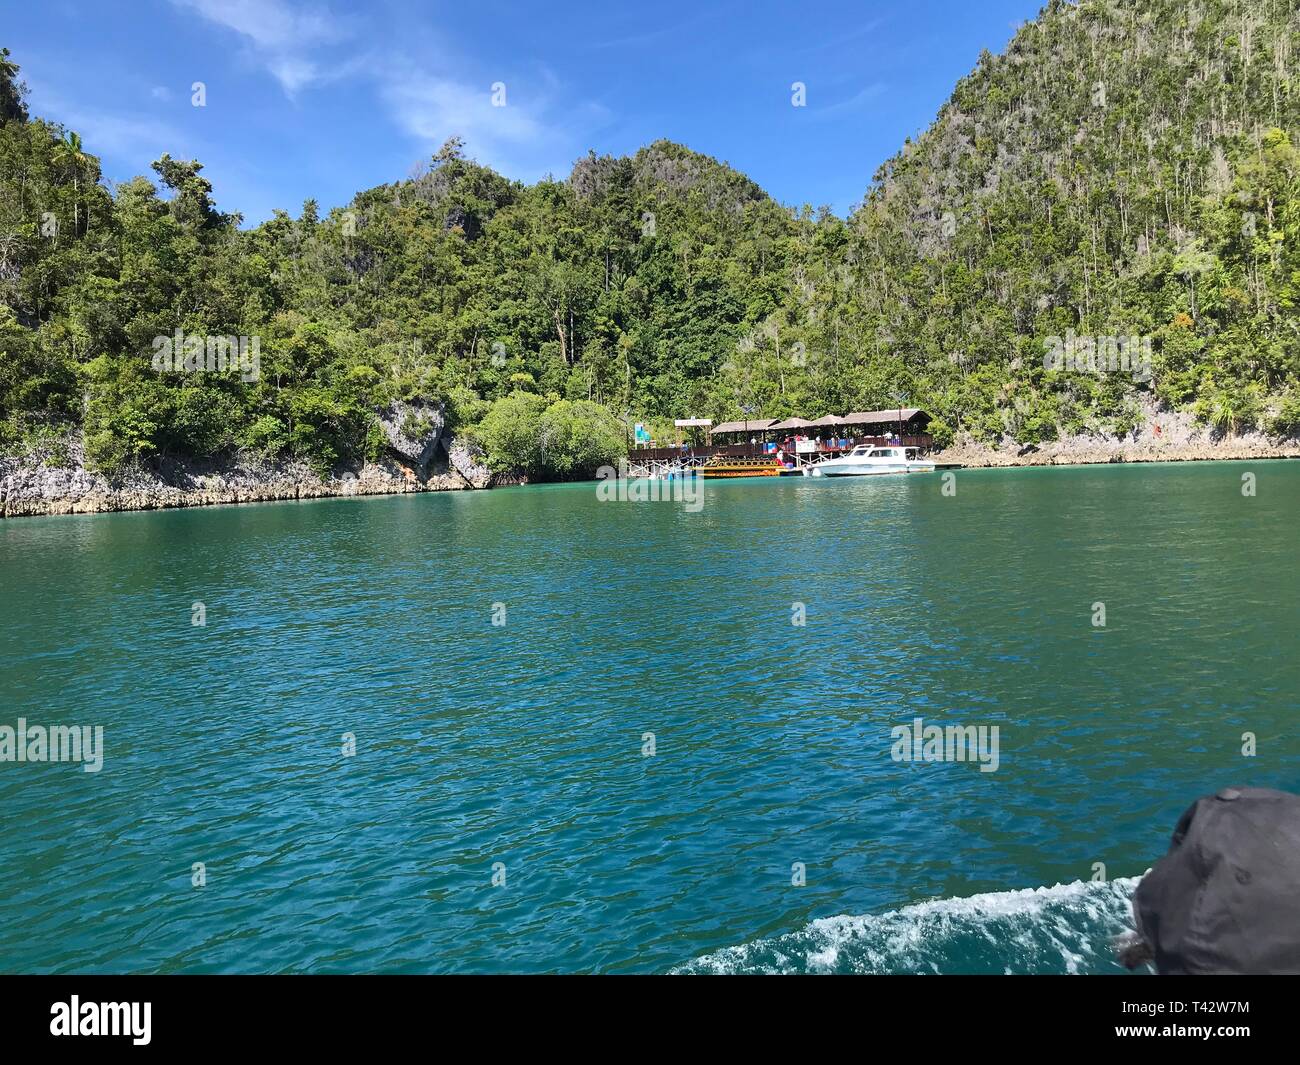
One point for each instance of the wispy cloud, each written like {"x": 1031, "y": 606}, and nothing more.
{"x": 854, "y": 103}
{"x": 431, "y": 107}
{"x": 677, "y": 30}
{"x": 120, "y": 135}
{"x": 839, "y": 40}
{"x": 522, "y": 137}
{"x": 428, "y": 90}
{"x": 283, "y": 36}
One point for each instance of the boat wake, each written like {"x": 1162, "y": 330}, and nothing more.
{"x": 1067, "y": 928}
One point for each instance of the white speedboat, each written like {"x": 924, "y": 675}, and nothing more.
{"x": 867, "y": 459}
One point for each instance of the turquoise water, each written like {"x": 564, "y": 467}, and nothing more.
{"x": 522, "y": 743}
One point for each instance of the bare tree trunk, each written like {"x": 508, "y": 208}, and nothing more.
{"x": 564, "y": 340}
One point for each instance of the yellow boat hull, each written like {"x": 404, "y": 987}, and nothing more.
{"x": 741, "y": 469}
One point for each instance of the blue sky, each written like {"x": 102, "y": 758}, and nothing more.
{"x": 308, "y": 98}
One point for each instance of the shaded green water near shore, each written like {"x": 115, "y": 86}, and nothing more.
{"x": 522, "y": 744}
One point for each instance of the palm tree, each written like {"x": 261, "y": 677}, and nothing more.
{"x": 1230, "y": 406}
{"x": 68, "y": 151}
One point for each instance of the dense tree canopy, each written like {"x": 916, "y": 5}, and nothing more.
{"x": 1126, "y": 168}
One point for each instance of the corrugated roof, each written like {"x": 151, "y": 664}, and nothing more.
{"x": 880, "y": 417}
{"x": 863, "y": 417}
{"x": 755, "y": 425}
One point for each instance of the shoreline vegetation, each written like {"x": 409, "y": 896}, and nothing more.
{"x": 33, "y": 489}
{"x": 1056, "y": 266}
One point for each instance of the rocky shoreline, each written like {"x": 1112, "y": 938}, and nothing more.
{"x": 55, "y": 481}
{"x": 1162, "y": 436}
{"x": 1075, "y": 453}
{"x": 421, "y": 456}
{"x": 33, "y": 490}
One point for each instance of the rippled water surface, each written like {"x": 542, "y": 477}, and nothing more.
{"x": 522, "y": 744}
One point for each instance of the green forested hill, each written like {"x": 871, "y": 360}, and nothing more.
{"x": 1125, "y": 169}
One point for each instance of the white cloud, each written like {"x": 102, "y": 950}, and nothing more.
{"x": 121, "y": 136}
{"x": 432, "y": 108}
{"x": 281, "y": 34}
{"x": 429, "y": 99}
{"x": 524, "y": 139}
{"x": 124, "y": 136}
{"x": 854, "y": 103}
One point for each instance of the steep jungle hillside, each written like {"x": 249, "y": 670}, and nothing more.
{"x": 1125, "y": 169}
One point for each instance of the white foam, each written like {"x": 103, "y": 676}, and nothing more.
{"x": 1065, "y": 927}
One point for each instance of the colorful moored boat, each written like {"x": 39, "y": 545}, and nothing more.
{"x": 739, "y": 466}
